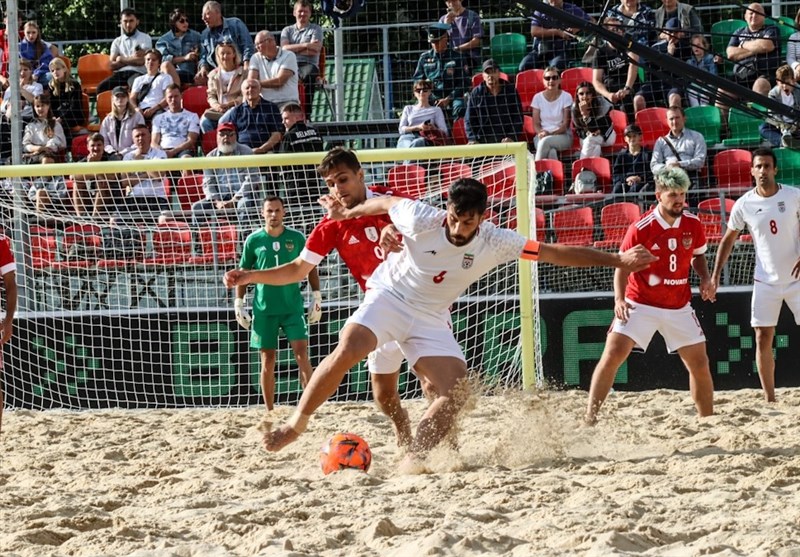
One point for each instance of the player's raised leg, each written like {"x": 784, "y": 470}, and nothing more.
{"x": 618, "y": 348}
{"x": 695, "y": 358}
{"x": 765, "y": 361}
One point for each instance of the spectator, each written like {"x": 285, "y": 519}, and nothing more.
{"x": 631, "y": 172}
{"x": 465, "y": 31}
{"x": 551, "y": 116}
{"x": 28, "y": 89}
{"x": 613, "y": 73}
{"x": 301, "y": 183}
{"x": 118, "y": 125}
{"x": 66, "y": 98}
{"x": 304, "y": 39}
{"x": 38, "y": 52}
{"x": 179, "y": 48}
{"x": 147, "y": 95}
{"x": 176, "y": 130}
{"x": 793, "y": 48}
{"x": 49, "y": 194}
{"x": 785, "y": 92}
{"x": 755, "y": 49}
{"x": 685, "y": 13}
{"x": 228, "y": 189}
{"x": 703, "y": 59}
{"x": 258, "y": 122}
{"x": 145, "y": 192}
{"x": 127, "y": 52}
{"x": 420, "y": 118}
{"x": 659, "y": 90}
{"x": 592, "y": 121}
{"x": 638, "y": 19}
{"x": 221, "y": 30}
{"x": 446, "y": 69}
{"x": 681, "y": 147}
{"x": 104, "y": 187}
{"x": 276, "y": 69}
{"x": 224, "y": 85}
{"x": 494, "y": 110}
{"x": 44, "y": 135}
{"x": 553, "y": 46}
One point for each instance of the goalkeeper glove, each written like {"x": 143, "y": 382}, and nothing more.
{"x": 315, "y": 308}
{"x": 241, "y": 314}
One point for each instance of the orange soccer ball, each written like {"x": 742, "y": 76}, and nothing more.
{"x": 345, "y": 450}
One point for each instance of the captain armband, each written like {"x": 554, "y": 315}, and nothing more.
{"x": 531, "y": 250}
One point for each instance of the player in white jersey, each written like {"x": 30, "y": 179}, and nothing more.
{"x": 771, "y": 213}
{"x": 408, "y": 296}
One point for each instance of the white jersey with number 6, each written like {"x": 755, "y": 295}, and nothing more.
{"x": 774, "y": 223}
{"x": 431, "y": 273}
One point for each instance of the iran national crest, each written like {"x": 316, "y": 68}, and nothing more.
{"x": 466, "y": 263}
{"x": 372, "y": 233}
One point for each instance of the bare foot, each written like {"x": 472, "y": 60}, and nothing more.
{"x": 277, "y": 439}
{"x": 412, "y": 465}
{"x": 589, "y": 420}
{"x": 402, "y": 430}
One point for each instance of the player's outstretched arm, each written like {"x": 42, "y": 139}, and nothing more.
{"x": 633, "y": 260}
{"x": 370, "y": 207}
{"x": 277, "y": 276}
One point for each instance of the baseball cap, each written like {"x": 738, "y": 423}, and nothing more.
{"x": 227, "y": 126}
{"x": 632, "y": 128}
{"x": 673, "y": 23}
{"x": 119, "y": 90}
{"x": 490, "y": 64}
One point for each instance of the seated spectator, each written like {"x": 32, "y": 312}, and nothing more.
{"x": 228, "y": 190}
{"x": 631, "y": 172}
{"x": 176, "y": 130}
{"x": 613, "y": 73}
{"x": 783, "y": 132}
{"x": 420, "y": 118}
{"x": 144, "y": 191}
{"x": 465, "y": 31}
{"x": 793, "y": 48}
{"x": 551, "y": 117}
{"x": 219, "y": 30}
{"x": 660, "y": 91}
{"x": 28, "y": 89}
{"x": 553, "y": 46}
{"x": 592, "y": 121}
{"x": 447, "y": 70}
{"x": 95, "y": 194}
{"x": 703, "y": 59}
{"x": 681, "y": 147}
{"x": 35, "y": 50}
{"x": 276, "y": 70}
{"x": 66, "y": 98}
{"x": 118, "y": 125}
{"x": 304, "y": 39}
{"x": 127, "y": 52}
{"x": 494, "y": 110}
{"x": 179, "y": 48}
{"x": 258, "y": 122}
{"x": 755, "y": 49}
{"x": 147, "y": 95}
{"x": 224, "y": 85}
{"x": 638, "y": 19}
{"x": 685, "y": 13}
{"x": 49, "y": 194}
{"x": 44, "y": 135}
{"x": 301, "y": 183}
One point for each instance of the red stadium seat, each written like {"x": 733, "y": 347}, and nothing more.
{"x": 572, "y": 77}
{"x": 190, "y": 190}
{"x": 712, "y": 213}
{"x": 615, "y": 220}
{"x": 218, "y": 245}
{"x": 602, "y": 169}
{"x": 409, "y": 180}
{"x": 209, "y": 142}
{"x": 195, "y": 99}
{"x": 449, "y": 172}
{"x": 500, "y": 180}
{"x": 459, "y": 132}
{"x": 92, "y": 69}
{"x": 620, "y": 121}
{"x": 529, "y": 83}
{"x": 732, "y": 170}
{"x": 557, "y": 169}
{"x": 653, "y": 122}
{"x": 541, "y": 223}
{"x": 574, "y": 226}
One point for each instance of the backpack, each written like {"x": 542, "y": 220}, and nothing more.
{"x": 122, "y": 243}
{"x": 544, "y": 183}
{"x": 585, "y": 182}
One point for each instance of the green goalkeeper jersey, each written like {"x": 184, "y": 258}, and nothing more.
{"x": 262, "y": 251}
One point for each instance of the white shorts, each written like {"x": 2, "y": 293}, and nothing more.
{"x": 417, "y": 334}
{"x": 385, "y": 359}
{"x": 765, "y": 305}
{"x": 679, "y": 327}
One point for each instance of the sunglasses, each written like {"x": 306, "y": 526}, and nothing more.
{"x": 551, "y": 78}
{"x": 423, "y": 90}
{"x": 183, "y": 20}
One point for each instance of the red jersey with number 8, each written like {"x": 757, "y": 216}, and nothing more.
{"x": 665, "y": 283}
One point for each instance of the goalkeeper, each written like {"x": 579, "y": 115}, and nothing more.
{"x": 277, "y": 307}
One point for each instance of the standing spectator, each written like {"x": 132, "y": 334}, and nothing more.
{"x": 127, "y": 52}
{"x": 661, "y": 90}
{"x": 301, "y": 183}
{"x": 221, "y": 30}
{"x": 224, "y": 85}
{"x": 176, "y": 130}
{"x": 66, "y": 98}
{"x": 638, "y": 19}
{"x": 494, "y": 110}
{"x": 447, "y": 70}
{"x": 680, "y": 148}
{"x": 465, "y": 31}
{"x": 592, "y": 121}
{"x": 703, "y": 59}
{"x": 44, "y": 135}
{"x": 421, "y": 117}
{"x": 793, "y": 48}
{"x": 145, "y": 192}
{"x": 38, "y": 52}
{"x": 228, "y": 189}
{"x": 105, "y": 187}
{"x": 257, "y": 121}
{"x": 276, "y": 70}
{"x": 685, "y": 13}
{"x": 786, "y": 93}
{"x": 631, "y": 172}
{"x": 179, "y": 48}
{"x": 304, "y": 39}
{"x": 755, "y": 49}
{"x": 148, "y": 90}
{"x": 118, "y": 125}
{"x": 613, "y": 74}
{"x": 8, "y": 269}
{"x": 551, "y": 117}
{"x": 277, "y": 308}
{"x": 553, "y": 46}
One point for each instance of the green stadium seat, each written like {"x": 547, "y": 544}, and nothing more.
{"x": 706, "y": 120}
{"x": 786, "y": 28}
{"x": 508, "y": 50}
{"x": 362, "y": 96}
{"x": 721, "y": 33}
{"x": 788, "y": 166}
{"x": 743, "y": 128}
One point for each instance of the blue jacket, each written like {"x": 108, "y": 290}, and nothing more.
{"x": 171, "y": 46}
{"x": 41, "y": 65}
{"x": 234, "y": 30}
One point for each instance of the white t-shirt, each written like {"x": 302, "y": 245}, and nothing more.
{"x": 269, "y": 69}
{"x": 175, "y": 127}
{"x": 157, "y": 90}
{"x": 551, "y": 113}
{"x": 150, "y": 188}
{"x": 431, "y": 273}
{"x": 774, "y": 223}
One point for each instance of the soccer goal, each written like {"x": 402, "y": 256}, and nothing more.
{"x": 123, "y": 306}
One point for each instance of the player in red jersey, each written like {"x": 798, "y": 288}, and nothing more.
{"x": 8, "y": 268}
{"x": 358, "y": 244}
{"x": 657, "y": 298}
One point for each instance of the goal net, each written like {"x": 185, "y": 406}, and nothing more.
{"x": 123, "y": 306}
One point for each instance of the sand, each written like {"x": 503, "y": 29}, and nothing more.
{"x": 528, "y": 480}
